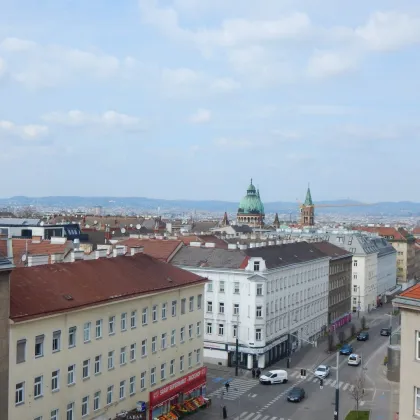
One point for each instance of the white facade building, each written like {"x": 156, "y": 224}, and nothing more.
{"x": 259, "y": 294}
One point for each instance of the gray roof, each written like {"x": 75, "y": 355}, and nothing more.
{"x": 14, "y": 221}
{"x": 5, "y": 263}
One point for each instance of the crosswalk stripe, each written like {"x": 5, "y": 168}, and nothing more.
{"x": 315, "y": 380}
{"x": 294, "y": 374}
{"x": 248, "y": 416}
{"x": 265, "y": 417}
{"x": 340, "y": 385}
{"x": 351, "y": 388}
{"x": 274, "y": 418}
{"x": 346, "y": 385}
{"x": 327, "y": 382}
{"x": 257, "y": 416}
{"x": 333, "y": 383}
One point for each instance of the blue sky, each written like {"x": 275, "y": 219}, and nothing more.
{"x": 191, "y": 98}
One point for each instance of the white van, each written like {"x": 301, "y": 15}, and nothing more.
{"x": 274, "y": 377}
{"x": 354, "y": 360}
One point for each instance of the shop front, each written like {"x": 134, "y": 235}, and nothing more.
{"x": 343, "y": 320}
{"x": 179, "y": 398}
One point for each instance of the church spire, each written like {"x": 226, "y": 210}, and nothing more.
{"x": 276, "y": 222}
{"x": 308, "y": 199}
{"x": 225, "y": 221}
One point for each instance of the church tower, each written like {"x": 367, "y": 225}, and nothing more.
{"x": 307, "y": 210}
{"x": 276, "y": 222}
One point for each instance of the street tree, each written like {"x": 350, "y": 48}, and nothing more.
{"x": 363, "y": 322}
{"x": 330, "y": 341}
{"x": 353, "y": 330}
{"x": 341, "y": 337}
{"x": 357, "y": 391}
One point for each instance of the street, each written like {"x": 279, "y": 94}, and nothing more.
{"x": 247, "y": 399}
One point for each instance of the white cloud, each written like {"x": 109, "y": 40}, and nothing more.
{"x": 17, "y": 45}
{"x": 200, "y": 116}
{"x": 226, "y": 143}
{"x": 2, "y": 67}
{"x": 286, "y": 134}
{"x": 110, "y": 119}
{"x": 323, "y": 110}
{"x": 25, "y": 132}
{"x": 325, "y": 64}
{"x": 224, "y": 85}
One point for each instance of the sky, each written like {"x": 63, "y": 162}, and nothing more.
{"x": 191, "y": 98}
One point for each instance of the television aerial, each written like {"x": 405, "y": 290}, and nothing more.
{"x": 95, "y": 222}
{"x": 131, "y": 225}
{"x": 24, "y": 257}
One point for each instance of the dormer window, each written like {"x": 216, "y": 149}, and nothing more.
{"x": 256, "y": 266}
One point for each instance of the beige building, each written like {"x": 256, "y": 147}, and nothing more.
{"x": 92, "y": 339}
{"x": 409, "y": 304}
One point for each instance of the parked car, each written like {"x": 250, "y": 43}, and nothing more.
{"x": 354, "y": 360}
{"x": 322, "y": 371}
{"x": 386, "y": 332}
{"x": 296, "y": 394}
{"x": 363, "y": 336}
{"x": 274, "y": 377}
{"x": 346, "y": 349}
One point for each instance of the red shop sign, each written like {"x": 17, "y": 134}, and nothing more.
{"x": 184, "y": 383}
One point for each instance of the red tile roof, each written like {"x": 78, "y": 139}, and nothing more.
{"x": 156, "y": 248}
{"x": 383, "y": 231}
{"x": 42, "y": 290}
{"x": 412, "y": 292}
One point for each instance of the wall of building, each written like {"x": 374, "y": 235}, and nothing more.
{"x": 340, "y": 281}
{"x": 52, "y": 361}
{"x": 387, "y": 272}
{"x": 4, "y": 341}
{"x": 364, "y": 276}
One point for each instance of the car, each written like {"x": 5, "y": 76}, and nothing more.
{"x": 346, "y": 349}
{"x": 322, "y": 371}
{"x": 296, "y": 394}
{"x": 386, "y": 332}
{"x": 274, "y": 377}
{"x": 363, "y": 336}
{"x": 354, "y": 360}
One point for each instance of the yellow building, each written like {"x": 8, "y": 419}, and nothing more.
{"x": 92, "y": 339}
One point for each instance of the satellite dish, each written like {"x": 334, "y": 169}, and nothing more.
{"x": 87, "y": 226}
{"x": 131, "y": 225}
{"x": 138, "y": 226}
{"x": 95, "y": 222}
{"x": 113, "y": 232}
{"x": 41, "y": 224}
{"x": 23, "y": 258}
{"x": 122, "y": 230}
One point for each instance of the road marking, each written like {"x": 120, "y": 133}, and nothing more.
{"x": 333, "y": 383}
{"x": 294, "y": 374}
{"x": 265, "y": 417}
{"x": 340, "y": 385}
{"x": 253, "y": 396}
{"x": 328, "y": 381}
{"x": 257, "y": 417}
{"x": 346, "y": 385}
{"x": 351, "y": 388}
{"x": 248, "y": 416}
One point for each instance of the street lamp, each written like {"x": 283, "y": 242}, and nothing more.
{"x": 358, "y": 303}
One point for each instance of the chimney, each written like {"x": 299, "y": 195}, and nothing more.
{"x": 119, "y": 250}
{"x": 57, "y": 258}
{"x": 196, "y": 244}
{"x": 36, "y": 239}
{"x": 136, "y": 250}
{"x": 76, "y": 243}
{"x": 210, "y": 245}
{"x": 78, "y": 255}
{"x": 10, "y": 248}
{"x": 271, "y": 243}
{"x": 243, "y": 246}
{"x": 100, "y": 253}
{"x": 231, "y": 246}
{"x": 34, "y": 260}
{"x": 252, "y": 245}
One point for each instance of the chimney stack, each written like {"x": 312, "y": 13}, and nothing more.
{"x": 137, "y": 250}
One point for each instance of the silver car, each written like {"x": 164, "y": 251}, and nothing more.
{"x": 322, "y": 371}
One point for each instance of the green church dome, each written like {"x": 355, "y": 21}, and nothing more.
{"x": 251, "y": 203}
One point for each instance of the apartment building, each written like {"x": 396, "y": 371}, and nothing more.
{"x": 409, "y": 304}
{"x": 94, "y": 339}
{"x": 271, "y": 297}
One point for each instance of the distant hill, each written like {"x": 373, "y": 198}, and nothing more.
{"x": 403, "y": 208}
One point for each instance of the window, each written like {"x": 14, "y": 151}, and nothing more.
{"x": 111, "y": 360}
{"x": 354, "y": 289}
{"x": 198, "y": 328}
{"x": 20, "y": 351}
{"x": 355, "y": 263}
{"x": 222, "y": 287}
{"x": 182, "y": 334}
{"x": 122, "y": 390}
{"x": 355, "y": 276}
{"x": 98, "y": 364}
{"x": 199, "y": 301}
{"x": 183, "y": 303}
{"x": 54, "y": 414}
{"x": 418, "y": 345}
{"x": 236, "y": 287}
{"x": 236, "y": 309}
{"x": 98, "y": 329}
{"x": 173, "y": 337}
{"x": 122, "y": 356}
{"x": 85, "y": 406}
{"x": 164, "y": 310}
{"x": 256, "y": 266}
{"x": 191, "y": 303}
{"x": 210, "y": 286}
{"x": 189, "y": 359}
{"x": 163, "y": 341}
{"x": 86, "y": 369}
{"x": 172, "y": 367}
{"x": 198, "y": 355}
{"x": 38, "y": 387}
{"x": 55, "y": 380}
{"x": 221, "y": 329}
{"x": 143, "y": 380}
{"x": 162, "y": 371}
{"x": 181, "y": 363}
{"x": 71, "y": 375}
{"x": 258, "y": 334}
{"x": 133, "y": 352}
{"x": 153, "y": 376}
{"x": 133, "y": 319}
{"x": 209, "y": 306}
{"x": 132, "y": 385}
{"x": 20, "y": 393}
{"x": 124, "y": 321}
{"x": 86, "y": 332}
{"x": 154, "y": 341}
{"x": 209, "y": 328}
{"x": 258, "y": 312}
{"x": 96, "y": 400}
{"x": 190, "y": 331}
{"x": 109, "y": 394}
{"x": 144, "y": 348}
{"x": 39, "y": 345}
{"x": 259, "y": 289}
{"x": 56, "y": 341}
{"x": 70, "y": 411}
{"x": 417, "y": 401}
{"x": 221, "y": 308}
{"x": 72, "y": 337}
{"x": 111, "y": 325}
{"x": 144, "y": 316}
{"x": 154, "y": 313}
{"x": 173, "y": 310}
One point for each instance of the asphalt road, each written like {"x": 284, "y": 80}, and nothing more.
{"x": 249, "y": 400}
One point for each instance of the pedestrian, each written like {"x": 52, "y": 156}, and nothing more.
{"x": 227, "y": 387}
{"x": 253, "y": 373}
{"x": 258, "y": 372}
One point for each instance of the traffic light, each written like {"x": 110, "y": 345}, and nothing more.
{"x": 303, "y": 373}
{"x": 321, "y": 383}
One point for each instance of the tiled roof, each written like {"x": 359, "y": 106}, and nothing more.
{"x": 156, "y": 248}
{"x": 331, "y": 250}
{"x": 383, "y": 231}
{"x": 416, "y": 231}
{"x": 412, "y": 292}
{"x": 220, "y": 243}
{"x": 47, "y": 289}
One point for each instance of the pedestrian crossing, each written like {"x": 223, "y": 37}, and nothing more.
{"x": 345, "y": 386}
{"x": 256, "y": 416}
{"x": 237, "y": 387}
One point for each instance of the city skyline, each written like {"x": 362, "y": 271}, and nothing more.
{"x": 186, "y": 99}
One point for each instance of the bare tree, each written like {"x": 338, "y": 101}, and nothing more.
{"x": 363, "y": 323}
{"x": 330, "y": 341}
{"x": 341, "y": 337}
{"x": 353, "y": 330}
{"x": 357, "y": 391}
